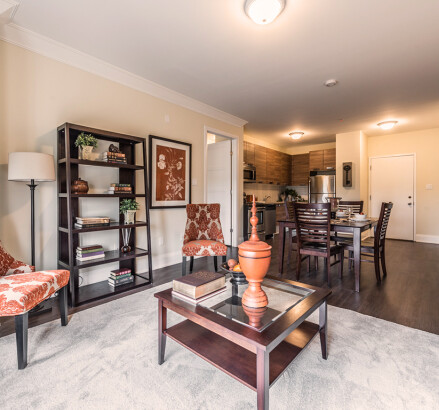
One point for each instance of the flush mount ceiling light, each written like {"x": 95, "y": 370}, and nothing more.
{"x": 331, "y": 82}
{"x": 296, "y": 135}
{"x": 263, "y": 11}
{"x": 387, "y": 125}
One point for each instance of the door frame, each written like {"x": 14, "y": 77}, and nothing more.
{"x": 409, "y": 154}
{"x": 236, "y": 214}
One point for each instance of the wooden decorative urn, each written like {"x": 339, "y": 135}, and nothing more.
{"x": 79, "y": 186}
{"x": 254, "y": 258}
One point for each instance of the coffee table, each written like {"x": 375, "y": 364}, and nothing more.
{"x": 255, "y": 347}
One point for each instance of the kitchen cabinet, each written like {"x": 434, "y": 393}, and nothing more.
{"x": 285, "y": 169}
{"x": 249, "y": 153}
{"x": 322, "y": 160}
{"x": 300, "y": 169}
{"x": 261, "y": 163}
{"x": 316, "y": 161}
{"x": 273, "y": 166}
{"x": 329, "y": 158}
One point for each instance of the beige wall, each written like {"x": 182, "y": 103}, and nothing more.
{"x": 263, "y": 143}
{"x": 425, "y": 144}
{"x": 37, "y": 95}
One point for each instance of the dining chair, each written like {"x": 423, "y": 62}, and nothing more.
{"x": 203, "y": 235}
{"x": 313, "y": 233}
{"x": 357, "y": 206}
{"x": 375, "y": 247}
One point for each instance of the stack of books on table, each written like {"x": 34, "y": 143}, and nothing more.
{"x": 120, "y": 189}
{"x": 116, "y": 157}
{"x": 198, "y": 286}
{"x": 90, "y": 252}
{"x": 92, "y": 222}
{"x": 120, "y": 277}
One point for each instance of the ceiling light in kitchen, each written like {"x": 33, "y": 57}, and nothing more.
{"x": 387, "y": 125}
{"x": 296, "y": 135}
{"x": 331, "y": 82}
{"x": 263, "y": 11}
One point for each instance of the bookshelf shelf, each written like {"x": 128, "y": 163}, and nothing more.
{"x": 68, "y": 210}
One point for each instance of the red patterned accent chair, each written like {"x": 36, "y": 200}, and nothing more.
{"x": 21, "y": 289}
{"x": 203, "y": 235}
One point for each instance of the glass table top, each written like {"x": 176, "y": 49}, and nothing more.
{"x": 281, "y": 298}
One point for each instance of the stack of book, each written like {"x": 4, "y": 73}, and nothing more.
{"x": 120, "y": 189}
{"x": 198, "y": 286}
{"x": 120, "y": 277}
{"x": 90, "y": 252}
{"x": 93, "y": 222}
{"x": 117, "y": 157}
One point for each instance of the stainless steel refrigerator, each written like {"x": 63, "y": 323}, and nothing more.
{"x": 321, "y": 186}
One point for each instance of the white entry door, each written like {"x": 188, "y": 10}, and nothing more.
{"x": 392, "y": 180}
{"x": 219, "y": 183}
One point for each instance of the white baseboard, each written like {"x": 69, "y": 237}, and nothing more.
{"x": 428, "y": 238}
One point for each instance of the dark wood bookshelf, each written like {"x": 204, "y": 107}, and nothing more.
{"x": 68, "y": 210}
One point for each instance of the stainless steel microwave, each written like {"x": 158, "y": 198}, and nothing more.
{"x": 249, "y": 173}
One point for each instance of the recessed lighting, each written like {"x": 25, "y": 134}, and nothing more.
{"x": 331, "y": 82}
{"x": 263, "y": 11}
{"x": 387, "y": 125}
{"x": 296, "y": 135}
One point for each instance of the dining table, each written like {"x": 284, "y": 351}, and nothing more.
{"x": 337, "y": 226}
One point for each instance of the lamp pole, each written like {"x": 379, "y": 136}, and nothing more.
{"x": 32, "y": 187}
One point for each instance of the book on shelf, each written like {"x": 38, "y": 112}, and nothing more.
{"x": 96, "y": 225}
{"x": 90, "y": 254}
{"x": 95, "y": 219}
{"x": 120, "y": 189}
{"x": 121, "y": 271}
{"x": 201, "y": 298}
{"x": 89, "y": 258}
{"x": 123, "y": 281}
{"x": 119, "y": 277}
{"x": 113, "y": 154}
{"x": 89, "y": 248}
{"x": 117, "y": 185}
{"x": 199, "y": 284}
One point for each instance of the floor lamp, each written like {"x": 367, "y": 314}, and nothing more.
{"x": 31, "y": 167}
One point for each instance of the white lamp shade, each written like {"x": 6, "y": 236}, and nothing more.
{"x": 24, "y": 166}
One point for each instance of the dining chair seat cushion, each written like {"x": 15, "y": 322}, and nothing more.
{"x": 311, "y": 246}
{"x": 204, "y": 247}
{"x": 21, "y": 292}
{"x": 10, "y": 266}
{"x": 367, "y": 245}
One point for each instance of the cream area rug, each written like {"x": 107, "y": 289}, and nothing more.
{"x": 106, "y": 358}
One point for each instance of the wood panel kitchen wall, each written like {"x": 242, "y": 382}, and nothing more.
{"x": 278, "y": 168}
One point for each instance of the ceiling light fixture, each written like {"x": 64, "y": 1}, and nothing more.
{"x": 387, "y": 125}
{"x": 331, "y": 82}
{"x": 296, "y": 135}
{"x": 263, "y": 11}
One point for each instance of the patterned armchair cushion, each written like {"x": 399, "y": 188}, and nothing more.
{"x": 204, "y": 247}
{"x": 21, "y": 292}
{"x": 203, "y": 223}
{"x": 10, "y": 266}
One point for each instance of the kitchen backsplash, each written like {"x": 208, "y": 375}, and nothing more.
{"x": 263, "y": 190}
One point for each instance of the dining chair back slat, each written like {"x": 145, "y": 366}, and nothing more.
{"x": 313, "y": 223}
{"x": 383, "y": 223}
{"x": 357, "y": 206}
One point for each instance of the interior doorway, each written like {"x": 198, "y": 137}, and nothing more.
{"x": 392, "y": 179}
{"x": 220, "y": 180}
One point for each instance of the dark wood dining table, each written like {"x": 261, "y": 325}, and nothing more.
{"x": 337, "y": 225}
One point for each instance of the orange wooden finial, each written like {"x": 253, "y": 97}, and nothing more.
{"x": 254, "y": 221}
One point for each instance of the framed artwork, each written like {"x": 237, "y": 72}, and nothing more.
{"x": 169, "y": 173}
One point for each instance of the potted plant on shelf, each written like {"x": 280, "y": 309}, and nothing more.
{"x": 85, "y": 143}
{"x": 128, "y": 208}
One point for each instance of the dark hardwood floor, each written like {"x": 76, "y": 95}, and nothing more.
{"x": 408, "y": 296}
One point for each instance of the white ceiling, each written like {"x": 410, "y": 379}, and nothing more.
{"x": 385, "y": 54}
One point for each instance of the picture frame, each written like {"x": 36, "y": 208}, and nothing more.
{"x": 170, "y": 173}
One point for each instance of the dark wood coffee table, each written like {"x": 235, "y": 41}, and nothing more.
{"x": 219, "y": 331}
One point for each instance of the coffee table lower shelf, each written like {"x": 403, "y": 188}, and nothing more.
{"x": 234, "y": 359}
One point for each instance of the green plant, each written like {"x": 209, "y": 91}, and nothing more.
{"x": 128, "y": 205}
{"x": 293, "y": 193}
{"x": 86, "y": 140}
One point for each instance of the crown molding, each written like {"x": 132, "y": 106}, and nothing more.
{"x": 22, "y": 37}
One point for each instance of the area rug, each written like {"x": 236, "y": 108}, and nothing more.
{"x": 106, "y": 358}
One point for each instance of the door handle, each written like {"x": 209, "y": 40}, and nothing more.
{"x": 409, "y": 203}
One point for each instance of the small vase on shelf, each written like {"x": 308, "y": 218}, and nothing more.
{"x": 126, "y": 233}
{"x": 85, "y": 152}
{"x": 129, "y": 217}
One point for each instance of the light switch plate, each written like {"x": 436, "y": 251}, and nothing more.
{"x": 429, "y": 186}
{"x": 194, "y": 182}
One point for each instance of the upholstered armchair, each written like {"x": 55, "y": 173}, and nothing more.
{"x": 21, "y": 289}
{"x": 203, "y": 235}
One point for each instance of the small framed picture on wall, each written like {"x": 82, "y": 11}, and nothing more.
{"x": 169, "y": 173}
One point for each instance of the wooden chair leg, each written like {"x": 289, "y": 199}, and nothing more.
{"x": 351, "y": 259}
{"x": 215, "y": 263}
{"x": 341, "y": 262}
{"x": 183, "y": 266}
{"x": 191, "y": 264}
{"x": 63, "y": 308}
{"x": 316, "y": 263}
{"x": 328, "y": 270}
{"x": 383, "y": 263}
{"x": 21, "y": 325}
{"x": 308, "y": 267}
{"x": 298, "y": 264}
{"x": 224, "y": 258}
{"x": 376, "y": 259}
